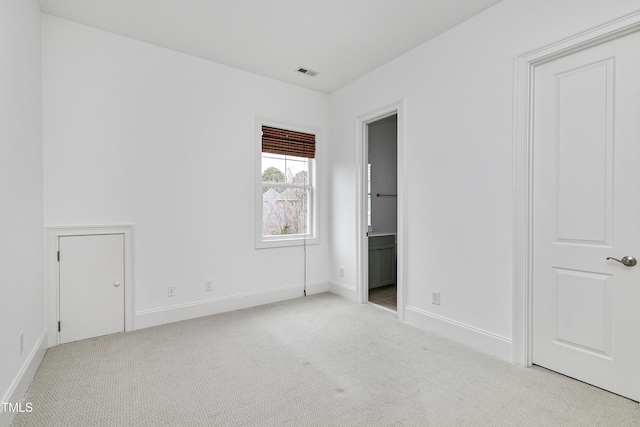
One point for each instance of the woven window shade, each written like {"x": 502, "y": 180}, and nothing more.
{"x": 289, "y": 143}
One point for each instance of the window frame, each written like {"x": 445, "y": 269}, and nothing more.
{"x": 311, "y": 237}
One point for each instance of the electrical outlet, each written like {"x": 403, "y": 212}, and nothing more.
{"x": 341, "y": 271}
{"x": 208, "y": 285}
{"x": 172, "y": 291}
{"x": 21, "y": 342}
{"x": 435, "y": 298}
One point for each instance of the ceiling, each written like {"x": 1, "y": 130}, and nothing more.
{"x": 340, "y": 39}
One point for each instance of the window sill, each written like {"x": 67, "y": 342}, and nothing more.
{"x": 286, "y": 242}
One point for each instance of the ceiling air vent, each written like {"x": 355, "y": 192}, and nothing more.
{"x": 307, "y": 71}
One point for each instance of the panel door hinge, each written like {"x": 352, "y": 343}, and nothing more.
{"x": 58, "y": 326}
{"x": 58, "y": 256}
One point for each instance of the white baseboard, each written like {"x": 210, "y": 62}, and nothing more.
{"x": 317, "y": 288}
{"x": 488, "y": 342}
{"x": 21, "y": 383}
{"x": 177, "y": 313}
{"x": 345, "y": 291}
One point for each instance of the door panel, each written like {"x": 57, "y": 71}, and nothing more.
{"x": 583, "y": 116}
{"x": 586, "y": 207}
{"x": 583, "y": 307}
{"x": 91, "y": 286}
{"x": 387, "y": 265}
{"x": 373, "y": 268}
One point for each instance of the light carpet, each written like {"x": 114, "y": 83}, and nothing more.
{"x": 315, "y": 361}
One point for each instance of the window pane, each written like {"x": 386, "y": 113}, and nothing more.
{"x": 279, "y": 168}
{"x": 297, "y": 170}
{"x": 284, "y": 211}
{"x": 273, "y": 167}
{"x": 369, "y": 195}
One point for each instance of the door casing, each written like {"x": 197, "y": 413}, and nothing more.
{"x": 52, "y": 272}
{"x": 362, "y": 244}
{"x": 522, "y": 170}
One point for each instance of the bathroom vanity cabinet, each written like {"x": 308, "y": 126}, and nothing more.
{"x": 382, "y": 260}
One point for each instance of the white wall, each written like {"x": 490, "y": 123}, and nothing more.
{"x": 137, "y": 134}
{"x": 457, "y": 91}
{"x": 382, "y": 151}
{"x": 141, "y": 135}
{"x": 21, "y": 290}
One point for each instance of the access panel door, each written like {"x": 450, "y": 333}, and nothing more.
{"x": 92, "y": 286}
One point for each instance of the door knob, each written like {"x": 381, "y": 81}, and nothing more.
{"x": 116, "y": 284}
{"x": 629, "y": 261}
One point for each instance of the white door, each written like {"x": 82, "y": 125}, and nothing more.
{"x": 586, "y": 198}
{"x": 91, "y": 286}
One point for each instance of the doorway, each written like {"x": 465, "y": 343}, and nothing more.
{"x": 577, "y": 174}
{"x": 382, "y": 211}
{"x": 586, "y": 204}
{"x": 394, "y": 244}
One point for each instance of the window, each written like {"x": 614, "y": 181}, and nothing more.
{"x": 369, "y": 196}
{"x": 285, "y": 193}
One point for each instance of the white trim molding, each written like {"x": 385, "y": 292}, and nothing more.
{"x": 192, "y": 310}
{"x": 362, "y": 273}
{"x": 485, "y": 341}
{"x": 525, "y": 66}
{"x": 343, "y": 290}
{"x": 52, "y": 271}
{"x": 22, "y": 381}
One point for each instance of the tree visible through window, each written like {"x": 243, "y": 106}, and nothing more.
{"x": 285, "y": 197}
{"x": 287, "y": 161}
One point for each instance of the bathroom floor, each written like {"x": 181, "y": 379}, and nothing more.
{"x": 385, "y": 296}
